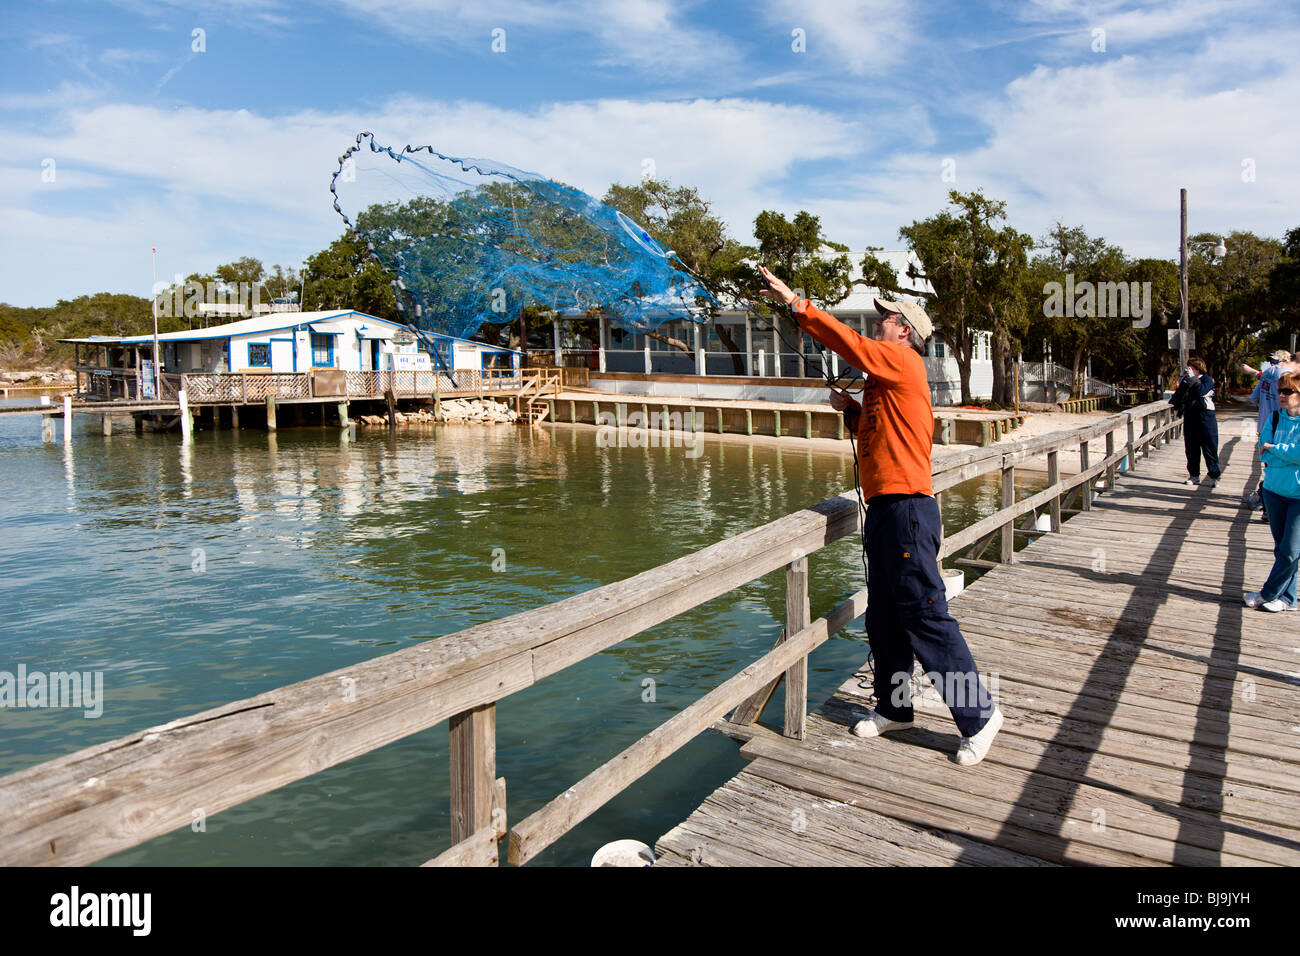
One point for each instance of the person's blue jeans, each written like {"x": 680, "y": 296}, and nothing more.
{"x": 907, "y": 614}
{"x": 1201, "y": 440}
{"x": 1284, "y": 522}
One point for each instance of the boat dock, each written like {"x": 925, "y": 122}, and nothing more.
{"x": 1151, "y": 717}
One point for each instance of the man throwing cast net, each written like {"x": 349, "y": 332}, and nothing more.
{"x": 907, "y": 610}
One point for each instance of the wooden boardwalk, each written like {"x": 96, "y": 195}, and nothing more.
{"x": 1151, "y": 718}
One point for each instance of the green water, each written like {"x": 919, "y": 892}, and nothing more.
{"x": 194, "y": 576}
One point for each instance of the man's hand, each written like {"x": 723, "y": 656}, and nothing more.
{"x": 840, "y": 400}
{"x": 777, "y": 290}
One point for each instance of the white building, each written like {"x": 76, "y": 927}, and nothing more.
{"x": 280, "y": 342}
{"x": 290, "y": 342}
{"x": 762, "y": 352}
{"x": 299, "y": 341}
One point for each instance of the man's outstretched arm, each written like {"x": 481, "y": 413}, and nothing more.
{"x": 886, "y": 363}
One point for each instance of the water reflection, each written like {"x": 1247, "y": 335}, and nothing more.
{"x": 319, "y": 552}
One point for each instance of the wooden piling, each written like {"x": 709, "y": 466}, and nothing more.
{"x": 270, "y": 413}
{"x": 1053, "y": 476}
{"x": 187, "y": 420}
{"x": 1009, "y": 529}
{"x": 797, "y": 617}
{"x": 1085, "y": 502}
{"x": 47, "y": 422}
{"x": 473, "y": 770}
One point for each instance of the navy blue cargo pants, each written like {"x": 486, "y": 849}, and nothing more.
{"x": 907, "y": 614}
{"x": 1201, "y": 440}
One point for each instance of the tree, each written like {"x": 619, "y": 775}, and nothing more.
{"x": 678, "y": 218}
{"x": 936, "y": 243}
{"x": 1153, "y": 356}
{"x": 1228, "y": 298}
{"x": 1284, "y": 290}
{"x": 1086, "y": 301}
{"x": 978, "y": 272}
{"x": 345, "y": 276}
{"x": 792, "y": 248}
{"x": 101, "y": 314}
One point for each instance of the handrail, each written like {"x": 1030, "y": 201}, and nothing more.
{"x": 105, "y": 799}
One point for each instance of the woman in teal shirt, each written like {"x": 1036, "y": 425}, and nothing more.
{"x": 1279, "y": 444}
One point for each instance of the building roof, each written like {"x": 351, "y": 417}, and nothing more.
{"x": 322, "y": 322}
{"x": 271, "y": 322}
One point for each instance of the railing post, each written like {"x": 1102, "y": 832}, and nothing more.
{"x": 1130, "y": 460}
{"x": 473, "y": 770}
{"x": 797, "y": 617}
{"x": 1110, "y": 451}
{"x": 1146, "y": 432}
{"x": 1054, "y": 478}
{"x": 1085, "y": 502}
{"x": 1008, "y": 499}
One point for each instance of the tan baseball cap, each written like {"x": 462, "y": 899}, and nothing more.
{"x": 1281, "y": 355}
{"x": 914, "y": 314}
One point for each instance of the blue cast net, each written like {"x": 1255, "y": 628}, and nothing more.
{"x": 472, "y": 241}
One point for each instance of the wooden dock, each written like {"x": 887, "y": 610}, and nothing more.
{"x": 1151, "y": 718}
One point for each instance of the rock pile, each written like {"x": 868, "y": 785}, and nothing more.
{"x": 454, "y": 410}
{"x": 477, "y": 410}
{"x": 39, "y": 377}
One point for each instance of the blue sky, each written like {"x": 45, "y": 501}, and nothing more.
{"x": 227, "y": 151}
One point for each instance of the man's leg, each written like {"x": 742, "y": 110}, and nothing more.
{"x": 891, "y": 655}
{"x": 922, "y": 610}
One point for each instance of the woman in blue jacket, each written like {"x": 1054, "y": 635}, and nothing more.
{"x": 1279, "y": 450}
{"x": 1194, "y": 400}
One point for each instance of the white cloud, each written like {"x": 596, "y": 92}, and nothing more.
{"x": 648, "y": 35}
{"x": 861, "y": 36}
{"x": 223, "y": 183}
{"x": 1108, "y": 147}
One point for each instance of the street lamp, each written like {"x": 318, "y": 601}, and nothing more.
{"x": 1220, "y": 250}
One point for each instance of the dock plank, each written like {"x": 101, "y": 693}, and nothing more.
{"x": 1151, "y": 718}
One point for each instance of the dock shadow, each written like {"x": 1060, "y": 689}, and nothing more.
{"x": 1081, "y": 729}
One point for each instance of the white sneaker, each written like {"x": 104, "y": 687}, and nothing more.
{"x": 973, "y": 749}
{"x": 1254, "y": 599}
{"x": 1213, "y": 483}
{"x": 1192, "y": 481}
{"x": 878, "y": 724}
{"x": 1277, "y": 605}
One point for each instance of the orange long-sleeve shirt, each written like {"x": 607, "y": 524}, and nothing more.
{"x": 896, "y": 425}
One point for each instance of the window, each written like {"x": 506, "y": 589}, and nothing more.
{"x": 259, "y": 354}
{"x": 939, "y": 350}
{"x": 322, "y": 350}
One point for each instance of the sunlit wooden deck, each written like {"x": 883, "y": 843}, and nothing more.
{"x": 1151, "y": 718}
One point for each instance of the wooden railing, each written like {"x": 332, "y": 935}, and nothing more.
{"x": 245, "y": 386}
{"x": 412, "y": 383}
{"x": 111, "y": 797}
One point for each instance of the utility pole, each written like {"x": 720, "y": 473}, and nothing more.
{"x": 157, "y": 363}
{"x": 1182, "y": 280}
